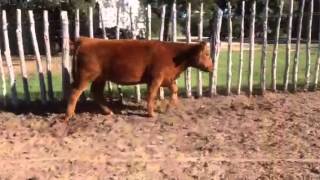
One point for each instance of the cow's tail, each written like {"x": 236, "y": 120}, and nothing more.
{"x": 74, "y": 47}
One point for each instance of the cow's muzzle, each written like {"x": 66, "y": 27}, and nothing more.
{"x": 207, "y": 69}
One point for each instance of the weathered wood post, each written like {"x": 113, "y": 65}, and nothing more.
{"x": 118, "y": 22}
{"x": 149, "y": 35}
{"x": 48, "y": 54}
{"x": 119, "y": 87}
{"x": 133, "y": 32}
{"x": 104, "y": 33}
{"x": 174, "y": 22}
{"x": 22, "y": 58}
{"x": 91, "y": 22}
{"x": 215, "y": 51}
{"x": 3, "y": 82}
{"x": 275, "y": 50}
{"x": 76, "y": 36}
{"x": 297, "y": 55}
{"x": 288, "y": 48}
{"x": 264, "y": 48}
{"x": 77, "y": 25}
{"x": 317, "y": 67}
{"x": 200, "y": 37}
{"x": 163, "y": 15}
{"x": 66, "y": 75}
{"x": 241, "y": 46}
{"x": 7, "y": 54}
{"x": 101, "y": 15}
{"x": 38, "y": 58}
{"x": 252, "y": 48}
{"x": 188, "y": 71}
{"x": 117, "y": 37}
{"x": 308, "y": 46}
{"x": 229, "y": 71}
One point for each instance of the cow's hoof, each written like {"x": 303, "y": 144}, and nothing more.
{"x": 151, "y": 114}
{"x": 60, "y": 129}
{"x": 107, "y": 112}
{"x": 174, "y": 103}
{"x": 172, "y": 106}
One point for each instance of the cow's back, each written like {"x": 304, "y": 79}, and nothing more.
{"x": 124, "y": 61}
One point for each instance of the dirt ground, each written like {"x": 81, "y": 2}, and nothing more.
{"x": 236, "y": 137}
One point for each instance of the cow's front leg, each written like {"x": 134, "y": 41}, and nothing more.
{"x": 174, "y": 93}
{"x": 152, "y": 93}
{"x": 97, "y": 88}
{"x": 76, "y": 91}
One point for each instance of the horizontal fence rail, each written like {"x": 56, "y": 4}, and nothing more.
{"x": 236, "y": 70}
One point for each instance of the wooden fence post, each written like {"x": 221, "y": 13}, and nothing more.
{"x": 163, "y": 15}
{"x": 297, "y": 55}
{"x": 48, "y": 54}
{"x": 200, "y": 37}
{"x": 76, "y": 36}
{"x": 288, "y": 49}
{"x": 252, "y": 48}
{"x": 101, "y": 15}
{"x": 118, "y": 22}
{"x": 7, "y": 54}
{"x": 3, "y": 81}
{"x": 275, "y": 50}
{"x": 77, "y": 25}
{"x": 91, "y": 22}
{"x": 38, "y": 57}
{"x": 22, "y": 58}
{"x": 188, "y": 85}
{"x": 149, "y": 35}
{"x": 241, "y": 47}
{"x": 308, "y": 46}
{"x": 317, "y": 68}
{"x": 174, "y": 22}
{"x": 118, "y": 37}
{"x": 66, "y": 76}
{"x": 229, "y": 71}
{"x": 264, "y": 48}
{"x": 132, "y": 29}
{"x": 215, "y": 51}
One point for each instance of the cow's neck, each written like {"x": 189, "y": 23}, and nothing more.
{"x": 183, "y": 61}
{"x": 180, "y": 68}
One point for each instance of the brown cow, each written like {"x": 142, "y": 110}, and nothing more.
{"x": 129, "y": 62}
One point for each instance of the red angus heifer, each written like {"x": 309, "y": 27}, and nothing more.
{"x": 129, "y": 62}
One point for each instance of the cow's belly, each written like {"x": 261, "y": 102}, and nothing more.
{"x": 126, "y": 75}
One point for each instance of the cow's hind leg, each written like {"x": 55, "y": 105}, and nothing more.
{"x": 76, "y": 91}
{"x": 97, "y": 88}
{"x": 152, "y": 93}
{"x": 174, "y": 93}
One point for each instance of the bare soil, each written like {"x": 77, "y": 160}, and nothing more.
{"x": 275, "y": 136}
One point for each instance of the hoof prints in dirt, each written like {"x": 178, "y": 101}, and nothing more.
{"x": 223, "y": 137}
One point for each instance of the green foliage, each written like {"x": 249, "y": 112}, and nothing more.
{"x": 52, "y": 4}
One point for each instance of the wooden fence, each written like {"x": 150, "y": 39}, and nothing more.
{"x": 45, "y": 76}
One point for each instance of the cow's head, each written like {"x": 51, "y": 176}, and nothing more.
{"x": 203, "y": 60}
